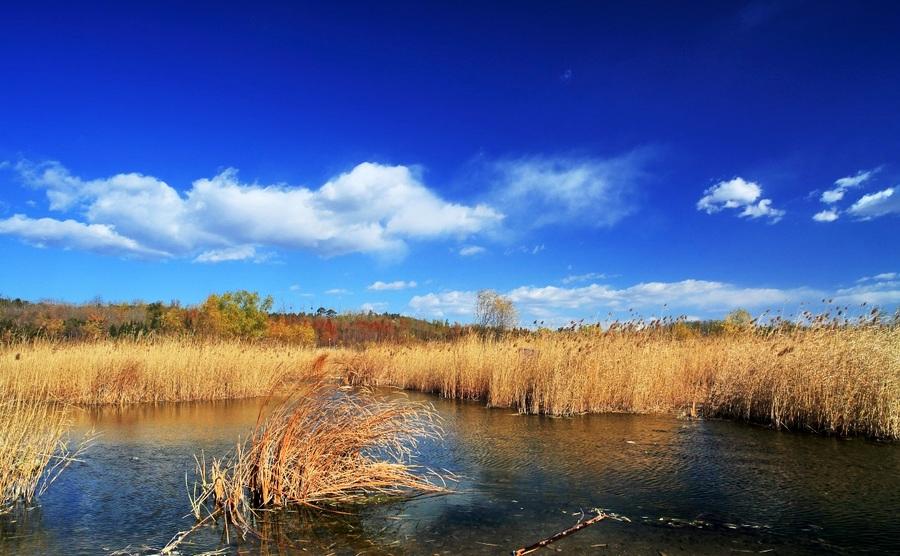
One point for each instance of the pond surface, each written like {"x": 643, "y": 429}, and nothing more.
{"x": 701, "y": 487}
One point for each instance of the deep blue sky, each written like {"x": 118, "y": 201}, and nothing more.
{"x": 566, "y": 144}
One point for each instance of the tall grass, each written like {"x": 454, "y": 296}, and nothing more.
{"x": 34, "y": 449}
{"x": 840, "y": 380}
{"x": 164, "y": 370}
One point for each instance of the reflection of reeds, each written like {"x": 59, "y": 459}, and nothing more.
{"x": 34, "y": 449}
{"x": 146, "y": 371}
{"x": 841, "y": 380}
{"x": 322, "y": 446}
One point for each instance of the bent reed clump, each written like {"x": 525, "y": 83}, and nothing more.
{"x": 322, "y": 446}
{"x": 841, "y": 380}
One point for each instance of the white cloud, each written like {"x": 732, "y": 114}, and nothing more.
{"x": 470, "y": 250}
{"x": 853, "y": 181}
{"x": 239, "y": 253}
{"x": 587, "y": 277}
{"x": 884, "y": 276}
{"x": 834, "y": 195}
{"x": 338, "y": 291}
{"x": 102, "y": 238}
{"x": 373, "y": 208}
{"x": 763, "y": 208}
{"x": 739, "y": 193}
{"x": 396, "y": 285}
{"x": 295, "y": 287}
{"x": 373, "y": 307}
{"x": 443, "y": 304}
{"x": 873, "y": 205}
{"x": 884, "y": 292}
{"x": 572, "y": 191}
{"x": 729, "y": 194}
{"x": 829, "y": 215}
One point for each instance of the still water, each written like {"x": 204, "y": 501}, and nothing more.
{"x": 701, "y": 487}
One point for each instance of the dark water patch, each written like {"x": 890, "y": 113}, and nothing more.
{"x": 690, "y": 487}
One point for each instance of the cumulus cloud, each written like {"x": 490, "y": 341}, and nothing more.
{"x": 873, "y": 205}
{"x": 396, "y": 285}
{"x": 574, "y": 191}
{"x": 829, "y": 215}
{"x": 373, "y": 208}
{"x": 738, "y": 193}
{"x": 470, "y": 250}
{"x": 101, "y": 238}
{"x": 338, "y": 291}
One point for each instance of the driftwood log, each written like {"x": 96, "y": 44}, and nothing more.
{"x": 574, "y": 529}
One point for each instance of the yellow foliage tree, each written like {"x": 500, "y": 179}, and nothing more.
{"x": 283, "y": 330}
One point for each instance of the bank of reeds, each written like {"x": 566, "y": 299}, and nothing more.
{"x": 322, "y": 446}
{"x": 162, "y": 370}
{"x": 830, "y": 379}
{"x": 836, "y": 379}
{"x": 34, "y": 449}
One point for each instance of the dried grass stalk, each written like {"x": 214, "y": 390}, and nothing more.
{"x": 34, "y": 449}
{"x": 323, "y": 446}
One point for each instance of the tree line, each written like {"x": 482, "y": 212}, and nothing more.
{"x": 238, "y": 314}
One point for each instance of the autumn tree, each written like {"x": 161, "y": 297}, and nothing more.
{"x": 285, "y": 330}
{"x": 237, "y": 314}
{"x": 493, "y": 310}
{"x": 738, "y": 320}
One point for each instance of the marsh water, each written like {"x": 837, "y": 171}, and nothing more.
{"x": 688, "y": 487}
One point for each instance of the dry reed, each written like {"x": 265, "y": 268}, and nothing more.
{"x": 840, "y": 380}
{"x": 34, "y": 449}
{"x": 164, "y": 370}
{"x": 321, "y": 446}
{"x": 830, "y": 379}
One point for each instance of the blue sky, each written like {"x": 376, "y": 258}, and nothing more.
{"x": 581, "y": 158}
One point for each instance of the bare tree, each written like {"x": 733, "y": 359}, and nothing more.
{"x": 493, "y": 310}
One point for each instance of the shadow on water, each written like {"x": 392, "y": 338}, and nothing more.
{"x": 689, "y": 487}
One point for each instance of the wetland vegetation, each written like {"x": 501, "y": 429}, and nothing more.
{"x": 325, "y": 439}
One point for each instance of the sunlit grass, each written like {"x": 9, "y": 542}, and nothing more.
{"x": 841, "y": 380}
{"x": 830, "y": 379}
{"x": 163, "y": 370}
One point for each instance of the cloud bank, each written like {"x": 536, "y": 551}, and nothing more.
{"x": 560, "y": 304}
{"x": 550, "y": 301}
{"x": 373, "y": 208}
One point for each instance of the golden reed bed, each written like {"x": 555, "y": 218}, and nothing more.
{"x": 839, "y": 380}
{"x": 830, "y": 380}
{"x": 162, "y": 370}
